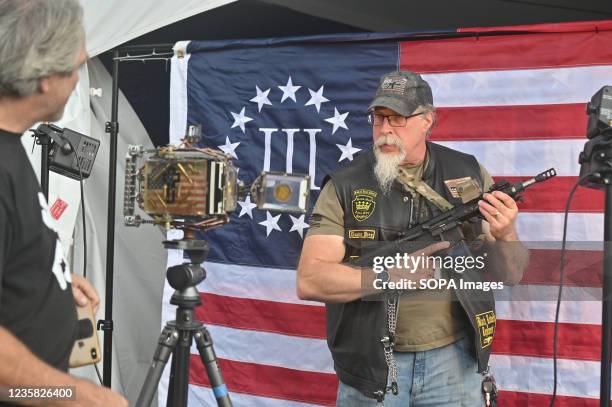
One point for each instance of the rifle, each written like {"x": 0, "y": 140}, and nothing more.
{"x": 445, "y": 226}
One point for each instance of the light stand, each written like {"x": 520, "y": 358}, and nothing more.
{"x": 106, "y": 325}
{"x": 112, "y": 128}
{"x": 606, "y": 315}
{"x": 44, "y": 141}
{"x": 596, "y": 160}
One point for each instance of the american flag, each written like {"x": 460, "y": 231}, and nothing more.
{"x": 514, "y": 97}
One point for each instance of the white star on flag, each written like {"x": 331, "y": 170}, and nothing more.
{"x": 261, "y": 98}
{"x": 289, "y": 91}
{"x": 299, "y": 225}
{"x": 246, "y": 207}
{"x": 240, "y": 119}
{"x": 229, "y": 147}
{"x": 347, "y": 151}
{"x": 338, "y": 120}
{"x": 316, "y": 98}
{"x": 271, "y": 223}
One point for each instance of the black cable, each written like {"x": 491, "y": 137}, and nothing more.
{"x": 84, "y": 228}
{"x": 556, "y": 326}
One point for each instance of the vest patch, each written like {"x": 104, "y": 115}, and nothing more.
{"x": 451, "y": 184}
{"x": 486, "y": 327}
{"x": 362, "y": 234}
{"x": 364, "y": 202}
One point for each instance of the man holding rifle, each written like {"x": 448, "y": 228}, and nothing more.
{"x": 433, "y": 345}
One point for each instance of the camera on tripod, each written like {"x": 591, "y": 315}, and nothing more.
{"x": 194, "y": 189}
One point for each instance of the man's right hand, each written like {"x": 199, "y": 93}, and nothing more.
{"x": 423, "y": 272}
{"x": 21, "y": 368}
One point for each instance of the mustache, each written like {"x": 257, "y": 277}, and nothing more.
{"x": 388, "y": 139}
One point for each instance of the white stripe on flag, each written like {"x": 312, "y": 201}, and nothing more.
{"x": 524, "y": 157}
{"x": 518, "y": 87}
{"x": 272, "y": 349}
{"x": 537, "y": 293}
{"x": 260, "y": 283}
{"x": 535, "y": 375}
{"x": 203, "y": 396}
{"x": 548, "y": 227}
{"x": 575, "y": 312}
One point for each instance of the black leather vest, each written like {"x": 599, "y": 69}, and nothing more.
{"x": 355, "y": 329}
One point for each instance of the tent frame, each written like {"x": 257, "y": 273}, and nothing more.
{"x": 112, "y": 127}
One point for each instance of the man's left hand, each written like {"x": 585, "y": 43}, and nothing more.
{"x": 500, "y": 210}
{"x": 84, "y": 293}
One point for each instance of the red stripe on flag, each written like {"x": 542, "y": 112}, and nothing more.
{"x": 270, "y": 381}
{"x": 577, "y": 26}
{"x": 551, "y": 196}
{"x": 504, "y": 52}
{"x": 583, "y": 268}
{"x": 268, "y": 316}
{"x": 527, "y": 122}
{"x": 520, "y": 399}
{"x": 530, "y": 338}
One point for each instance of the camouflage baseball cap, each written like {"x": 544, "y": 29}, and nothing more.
{"x": 402, "y": 91}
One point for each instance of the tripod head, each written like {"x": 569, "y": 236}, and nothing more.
{"x": 190, "y": 273}
{"x": 186, "y": 276}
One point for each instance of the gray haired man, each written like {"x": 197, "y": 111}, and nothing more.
{"x": 425, "y": 345}
{"x": 42, "y": 46}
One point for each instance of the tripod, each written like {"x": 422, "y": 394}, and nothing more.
{"x": 177, "y": 335}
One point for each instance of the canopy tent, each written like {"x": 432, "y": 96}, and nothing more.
{"x": 397, "y": 15}
{"x": 139, "y": 257}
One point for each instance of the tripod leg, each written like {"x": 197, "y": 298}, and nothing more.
{"x": 166, "y": 344}
{"x": 179, "y": 376}
{"x": 171, "y": 386}
{"x": 209, "y": 359}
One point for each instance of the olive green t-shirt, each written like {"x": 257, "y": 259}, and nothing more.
{"x": 426, "y": 319}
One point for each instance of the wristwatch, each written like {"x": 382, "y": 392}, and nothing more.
{"x": 384, "y": 275}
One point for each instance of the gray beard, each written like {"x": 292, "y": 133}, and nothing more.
{"x": 387, "y": 166}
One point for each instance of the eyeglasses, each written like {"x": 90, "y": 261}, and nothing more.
{"x": 395, "y": 120}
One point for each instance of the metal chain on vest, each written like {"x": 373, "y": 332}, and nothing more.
{"x": 389, "y": 342}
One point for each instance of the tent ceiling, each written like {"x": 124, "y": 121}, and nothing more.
{"x": 282, "y": 18}
{"x": 113, "y": 22}
{"x": 405, "y": 15}
{"x": 239, "y": 19}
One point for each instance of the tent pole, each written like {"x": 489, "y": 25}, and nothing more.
{"x": 147, "y": 47}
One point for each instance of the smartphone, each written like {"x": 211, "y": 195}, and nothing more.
{"x": 86, "y": 349}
